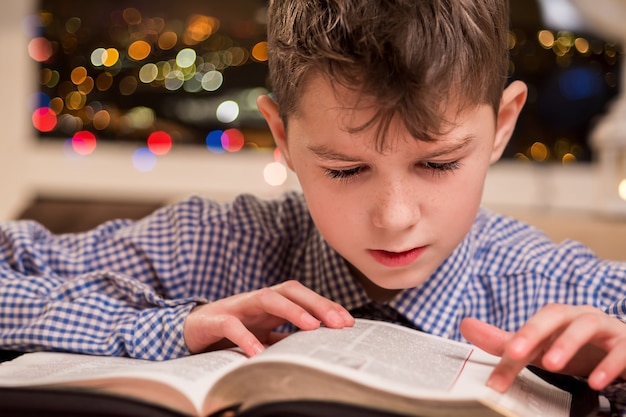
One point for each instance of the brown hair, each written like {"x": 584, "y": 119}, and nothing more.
{"x": 410, "y": 56}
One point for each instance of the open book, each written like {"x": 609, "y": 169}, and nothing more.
{"x": 371, "y": 369}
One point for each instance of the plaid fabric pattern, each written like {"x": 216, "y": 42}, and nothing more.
{"x": 125, "y": 288}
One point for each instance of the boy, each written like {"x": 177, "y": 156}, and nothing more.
{"x": 390, "y": 113}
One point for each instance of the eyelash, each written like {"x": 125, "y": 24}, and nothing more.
{"x": 439, "y": 168}
{"x": 344, "y": 175}
{"x": 435, "y": 168}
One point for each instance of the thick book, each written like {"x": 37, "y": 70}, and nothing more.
{"x": 372, "y": 369}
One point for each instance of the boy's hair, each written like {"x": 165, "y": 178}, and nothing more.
{"x": 409, "y": 57}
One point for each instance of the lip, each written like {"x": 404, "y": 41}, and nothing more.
{"x": 396, "y": 259}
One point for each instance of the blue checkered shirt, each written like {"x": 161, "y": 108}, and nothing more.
{"x": 126, "y": 287}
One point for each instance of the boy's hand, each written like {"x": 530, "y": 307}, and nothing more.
{"x": 575, "y": 340}
{"x": 247, "y": 319}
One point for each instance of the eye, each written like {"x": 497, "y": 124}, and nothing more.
{"x": 439, "y": 168}
{"x": 344, "y": 174}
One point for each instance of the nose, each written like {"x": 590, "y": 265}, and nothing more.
{"x": 396, "y": 207}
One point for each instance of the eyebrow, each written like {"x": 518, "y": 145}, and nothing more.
{"x": 451, "y": 148}
{"x": 324, "y": 152}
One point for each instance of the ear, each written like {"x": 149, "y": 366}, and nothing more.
{"x": 513, "y": 99}
{"x": 269, "y": 109}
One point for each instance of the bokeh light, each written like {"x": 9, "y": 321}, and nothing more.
{"x": 275, "y": 174}
{"x": 539, "y": 152}
{"x": 101, "y": 119}
{"x": 97, "y": 57}
{"x": 227, "y": 111}
{"x": 186, "y": 58}
{"x": 259, "y": 51}
{"x": 232, "y": 140}
{"x": 212, "y": 80}
{"x": 84, "y": 142}
{"x": 148, "y": 73}
{"x": 40, "y": 49}
{"x": 167, "y": 40}
{"x": 139, "y": 50}
{"x": 78, "y": 75}
{"x": 110, "y": 57}
{"x": 44, "y": 119}
{"x": 214, "y": 141}
{"x": 159, "y": 143}
{"x": 144, "y": 160}
{"x": 621, "y": 189}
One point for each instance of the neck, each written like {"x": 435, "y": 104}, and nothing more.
{"x": 373, "y": 291}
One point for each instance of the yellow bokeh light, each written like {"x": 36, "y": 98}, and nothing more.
{"x": 86, "y": 86}
{"x": 521, "y": 157}
{"x": 199, "y": 28}
{"x": 148, "y": 73}
{"x": 621, "y": 189}
{"x": 185, "y": 58}
{"x": 259, "y": 51}
{"x": 56, "y": 105}
{"x": 568, "y": 158}
{"x": 546, "y": 38}
{"x": 104, "y": 81}
{"x": 75, "y": 100}
{"x": 132, "y": 16}
{"x": 101, "y": 120}
{"x": 582, "y": 45}
{"x": 46, "y": 76}
{"x": 110, "y": 57}
{"x": 539, "y": 151}
{"x": 139, "y": 50}
{"x": 512, "y": 40}
{"x": 167, "y": 40}
{"x": 78, "y": 75}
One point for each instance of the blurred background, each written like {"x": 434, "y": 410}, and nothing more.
{"x": 113, "y": 108}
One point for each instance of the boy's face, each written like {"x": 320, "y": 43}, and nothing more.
{"x": 394, "y": 215}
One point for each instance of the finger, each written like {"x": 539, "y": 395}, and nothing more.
{"x": 487, "y": 337}
{"x": 330, "y": 313}
{"x": 590, "y": 328}
{"x": 538, "y": 330}
{"x": 234, "y": 330}
{"x": 610, "y": 368}
{"x": 504, "y": 374}
{"x": 269, "y": 302}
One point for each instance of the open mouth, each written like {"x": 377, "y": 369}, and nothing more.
{"x": 397, "y": 259}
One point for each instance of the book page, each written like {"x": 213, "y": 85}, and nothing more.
{"x": 191, "y": 375}
{"x": 412, "y": 363}
{"x": 378, "y": 351}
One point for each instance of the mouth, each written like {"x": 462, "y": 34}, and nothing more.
{"x": 396, "y": 259}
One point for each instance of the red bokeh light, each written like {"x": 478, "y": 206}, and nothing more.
{"x": 232, "y": 140}
{"x": 40, "y": 49}
{"x": 44, "y": 119}
{"x": 159, "y": 143}
{"x": 84, "y": 142}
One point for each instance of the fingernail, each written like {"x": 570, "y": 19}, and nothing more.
{"x": 309, "y": 320}
{"x": 258, "y": 348}
{"x": 497, "y": 383}
{"x": 519, "y": 345}
{"x": 347, "y": 317}
{"x": 334, "y": 318}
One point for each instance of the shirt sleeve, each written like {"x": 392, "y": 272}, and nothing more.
{"x": 120, "y": 289}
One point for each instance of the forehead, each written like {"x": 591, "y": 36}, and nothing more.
{"x": 332, "y": 108}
